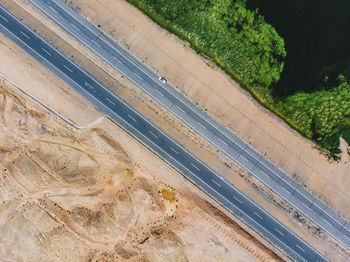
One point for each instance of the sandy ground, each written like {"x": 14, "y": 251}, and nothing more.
{"x": 205, "y": 84}
{"x": 158, "y": 115}
{"x": 98, "y": 195}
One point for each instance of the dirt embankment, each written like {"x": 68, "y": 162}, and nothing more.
{"x": 68, "y": 195}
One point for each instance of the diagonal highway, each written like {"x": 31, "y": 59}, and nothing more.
{"x": 152, "y": 137}
{"x": 230, "y": 144}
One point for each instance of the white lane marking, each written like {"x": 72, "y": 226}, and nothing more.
{"x": 68, "y": 68}
{"x": 216, "y": 183}
{"x": 305, "y": 205}
{"x": 110, "y": 101}
{"x": 244, "y": 158}
{"x": 25, "y": 35}
{"x": 180, "y": 109}
{"x": 258, "y": 215}
{"x": 88, "y": 85}
{"x": 285, "y": 189}
{"x": 346, "y": 237}
{"x": 117, "y": 59}
{"x": 279, "y": 232}
{"x": 47, "y": 52}
{"x": 138, "y": 76}
{"x": 115, "y": 49}
{"x": 53, "y": 9}
{"x": 152, "y": 134}
{"x": 237, "y": 199}
{"x": 172, "y": 149}
{"x": 96, "y": 43}
{"x": 132, "y": 118}
{"x": 199, "y": 115}
{"x": 263, "y": 173}
{"x": 299, "y": 247}
{"x": 4, "y": 18}
{"x": 159, "y": 92}
{"x": 75, "y": 26}
{"x": 327, "y": 222}
{"x": 222, "y": 141}
{"x": 202, "y": 125}
{"x": 195, "y": 166}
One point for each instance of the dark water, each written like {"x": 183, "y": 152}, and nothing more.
{"x": 317, "y": 40}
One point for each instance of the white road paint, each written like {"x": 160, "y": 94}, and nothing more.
{"x": 244, "y": 158}
{"x": 172, "y": 149}
{"x": 53, "y": 9}
{"x": 68, "y": 68}
{"x": 153, "y": 134}
{"x": 216, "y": 183}
{"x": 181, "y": 109}
{"x": 25, "y": 34}
{"x": 202, "y": 125}
{"x": 258, "y": 215}
{"x": 283, "y": 188}
{"x": 238, "y": 200}
{"x": 279, "y": 232}
{"x": 159, "y": 92}
{"x": 132, "y": 118}
{"x": 117, "y": 59}
{"x": 263, "y": 173}
{"x": 195, "y": 166}
{"x": 75, "y": 26}
{"x": 89, "y": 86}
{"x": 300, "y": 248}
{"x": 222, "y": 141}
{"x": 96, "y": 43}
{"x": 138, "y": 76}
{"x": 4, "y": 18}
{"x": 47, "y": 52}
{"x": 327, "y": 222}
{"x": 305, "y": 205}
{"x": 110, "y": 101}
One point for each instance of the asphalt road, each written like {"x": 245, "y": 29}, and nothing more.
{"x": 230, "y": 144}
{"x": 148, "y": 134}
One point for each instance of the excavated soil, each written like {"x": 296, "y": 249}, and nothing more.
{"x": 68, "y": 195}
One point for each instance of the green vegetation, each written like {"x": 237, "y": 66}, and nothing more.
{"x": 323, "y": 116}
{"x": 252, "y": 53}
{"x": 237, "y": 39}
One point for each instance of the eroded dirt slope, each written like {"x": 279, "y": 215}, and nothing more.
{"x": 68, "y": 195}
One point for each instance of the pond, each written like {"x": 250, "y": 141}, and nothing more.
{"x": 317, "y": 40}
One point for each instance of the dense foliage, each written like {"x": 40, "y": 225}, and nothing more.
{"x": 251, "y": 51}
{"x": 323, "y": 116}
{"x": 237, "y": 39}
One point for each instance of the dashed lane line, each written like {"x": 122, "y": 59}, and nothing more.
{"x": 132, "y": 118}
{"x": 25, "y": 34}
{"x": 153, "y": 134}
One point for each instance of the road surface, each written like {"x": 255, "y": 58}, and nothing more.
{"x": 148, "y": 134}
{"x": 230, "y": 144}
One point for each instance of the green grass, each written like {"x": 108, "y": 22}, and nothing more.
{"x": 248, "y": 49}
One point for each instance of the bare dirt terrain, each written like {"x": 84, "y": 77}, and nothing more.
{"x": 68, "y": 195}
{"x": 37, "y": 80}
{"x": 205, "y": 84}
